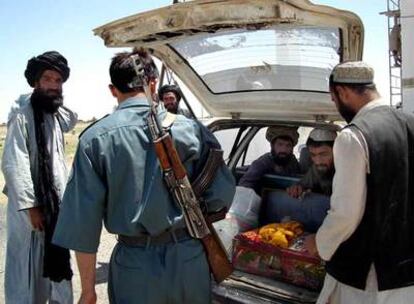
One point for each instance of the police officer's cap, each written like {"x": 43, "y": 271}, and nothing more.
{"x": 353, "y": 73}
{"x": 273, "y": 133}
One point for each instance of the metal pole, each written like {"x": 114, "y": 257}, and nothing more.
{"x": 162, "y": 75}
{"x": 188, "y": 106}
{"x": 389, "y": 55}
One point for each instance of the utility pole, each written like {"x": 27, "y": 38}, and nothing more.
{"x": 407, "y": 39}
{"x": 394, "y": 52}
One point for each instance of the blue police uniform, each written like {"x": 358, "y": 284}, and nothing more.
{"x": 116, "y": 179}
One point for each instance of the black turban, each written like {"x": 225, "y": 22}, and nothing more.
{"x": 47, "y": 61}
{"x": 170, "y": 88}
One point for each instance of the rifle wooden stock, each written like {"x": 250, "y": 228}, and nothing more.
{"x": 217, "y": 259}
{"x": 177, "y": 165}
{"x": 162, "y": 155}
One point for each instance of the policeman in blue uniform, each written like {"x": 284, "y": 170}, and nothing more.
{"x": 116, "y": 178}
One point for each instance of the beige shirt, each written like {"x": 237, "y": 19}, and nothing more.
{"x": 349, "y": 191}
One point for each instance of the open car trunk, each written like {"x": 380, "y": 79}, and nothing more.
{"x": 243, "y": 287}
{"x": 260, "y": 59}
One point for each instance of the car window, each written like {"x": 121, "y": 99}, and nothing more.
{"x": 303, "y": 137}
{"x": 257, "y": 146}
{"x": 275, "y": 58}
{"x": 226, "y": 139}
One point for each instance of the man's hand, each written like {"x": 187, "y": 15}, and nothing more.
{"x": 36, "y": 218}
{"x": 310, "y": 245}
{"x": 88, "y": 298}
{"x": 87, "y": 272}
{"x": 295, "y": 191}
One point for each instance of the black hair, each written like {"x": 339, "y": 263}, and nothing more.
{"x": 312, "y": 143}
{"x": 123, "y": 74}
{"x": 170, "y": 88}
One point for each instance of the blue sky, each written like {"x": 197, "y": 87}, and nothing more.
{"x": 28, "y": 28}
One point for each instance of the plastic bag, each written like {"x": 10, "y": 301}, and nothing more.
{"x": 242, "y": 216}
{"x": 245, "y": 208}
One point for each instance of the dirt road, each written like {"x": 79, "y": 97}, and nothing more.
{"x": 105, "y": 249}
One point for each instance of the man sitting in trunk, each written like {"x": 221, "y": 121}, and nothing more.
{"x": 280, "y": 160}
{"x": 319, "y": 177}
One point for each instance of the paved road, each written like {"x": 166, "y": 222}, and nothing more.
{"x": 105, "y": 249}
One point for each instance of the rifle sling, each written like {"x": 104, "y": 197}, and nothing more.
{"x": 213, "y": 162}
{"x": 206, "y": 176}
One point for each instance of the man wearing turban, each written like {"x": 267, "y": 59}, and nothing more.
{"x": 280, "y": 160}
{"x": 35, "y": 172}
{"x": 170, "y": 95}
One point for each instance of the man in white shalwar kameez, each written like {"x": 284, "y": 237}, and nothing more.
{"x": 367, "y": 238}
{"x": 24, "y": 272}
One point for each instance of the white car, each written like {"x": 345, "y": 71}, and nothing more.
{"x": 251, "y": 64}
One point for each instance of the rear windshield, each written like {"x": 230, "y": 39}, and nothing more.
{"x": 276, "y": 58}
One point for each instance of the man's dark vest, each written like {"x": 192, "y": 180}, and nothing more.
{"x": 385, "y": 235}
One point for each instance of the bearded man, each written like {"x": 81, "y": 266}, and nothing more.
{"x": 170, "y": 95}
{"x": 35, "y": 172}
{"x": 280, "y": 160}
{"x": 319, "y": 177}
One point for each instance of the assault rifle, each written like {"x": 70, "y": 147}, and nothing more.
{"x": 176, "y": 179}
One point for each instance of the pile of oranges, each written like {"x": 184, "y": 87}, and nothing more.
{"x": 280, "y": 234}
